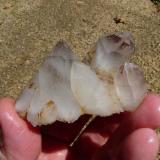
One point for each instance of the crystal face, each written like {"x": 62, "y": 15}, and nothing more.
{"x": 65, "y": 88}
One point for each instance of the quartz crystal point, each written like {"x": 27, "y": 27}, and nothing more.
{"x": 130, "y": 86}
{"x": 112, "y": 51}
{"x": 65, "y": 88}
{"x": 124, "y": 92}
{"x": 49, "y": 97}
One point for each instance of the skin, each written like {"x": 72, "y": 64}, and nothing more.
{"x": 128, "y": 136}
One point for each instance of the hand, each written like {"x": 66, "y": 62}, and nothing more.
{"x": 128, "y": 136}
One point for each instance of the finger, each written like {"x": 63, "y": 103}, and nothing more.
{"x": 142, "y": 144}
{"x": 20, "y": 139}
{"x": 97, "y": 135}
{"x": 147, "y": 115}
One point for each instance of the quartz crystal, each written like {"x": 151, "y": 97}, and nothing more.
{"x": 65, "y": 88}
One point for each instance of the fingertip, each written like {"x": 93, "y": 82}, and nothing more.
{"x": 147, "y": 115}
{"x": 18, "y": 136}
{"x": 152, "y": 98}
{"x": 141, "y": 144}
{"x": 6, "y": 106}
{"x": 6, "y": 103}
{"x": 10, "y": 122}
{"x": 7, "y": 111}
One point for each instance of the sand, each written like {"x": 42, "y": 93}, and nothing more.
{"x": 30, "y": 29}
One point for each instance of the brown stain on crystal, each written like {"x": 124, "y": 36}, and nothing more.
{"x": 121, "y": 69}
{"x": 39, "y": 115}
{"x": 104, "y": 76}
{"x": 82, "y": 110}
{"x": 22, "y": 114}
{"x": 50, "y": 104}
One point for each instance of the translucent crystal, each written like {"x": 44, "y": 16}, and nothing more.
{"x": 50, "y": 97}
{"x": 65, "y": 88}
{"x": 112, "y": 51}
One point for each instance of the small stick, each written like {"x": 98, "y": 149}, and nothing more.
{"x": 83, "y": 129}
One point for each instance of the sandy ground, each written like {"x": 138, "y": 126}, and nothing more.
{"x": 29, "y": 30}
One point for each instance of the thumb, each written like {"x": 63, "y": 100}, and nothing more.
{"x": 19, "y": 139}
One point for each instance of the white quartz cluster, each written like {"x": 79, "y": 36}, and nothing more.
{"x": 65, "y": 88}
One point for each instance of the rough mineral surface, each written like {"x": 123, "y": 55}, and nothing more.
{"x": 29, "y": 29}
{"x": 64, "y": 88}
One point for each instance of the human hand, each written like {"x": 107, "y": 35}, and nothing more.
{"x": 128, "y": 136}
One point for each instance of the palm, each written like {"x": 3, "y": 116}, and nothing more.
{"x": 22, "y": 140}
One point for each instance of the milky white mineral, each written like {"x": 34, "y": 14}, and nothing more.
{"x": 65, "y": 88}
